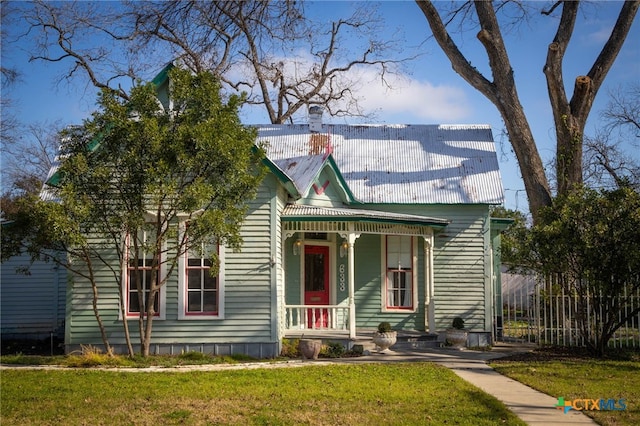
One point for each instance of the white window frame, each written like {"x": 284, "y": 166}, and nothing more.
{"x": 183, "y": 288}
{"x": 162, "y": 293}
{"x": 413, "y": 272}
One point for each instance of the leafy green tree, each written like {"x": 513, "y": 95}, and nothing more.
{"x": 512, "y": 251}
{"x": 590, "y": 239}
{"x": 149, "y": 182}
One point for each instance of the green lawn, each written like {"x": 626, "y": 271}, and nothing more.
{"x": 358, "y": 394}
{"x": 583, "y": 379}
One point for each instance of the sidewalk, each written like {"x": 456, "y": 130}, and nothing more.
{"x": 533, "y": 407}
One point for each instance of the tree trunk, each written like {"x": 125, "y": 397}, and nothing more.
{"x": 570, "y": 116}
{"x": 94, "y": 304}
{"x": 501, "y": 92}
{"x": 123, "y": 310}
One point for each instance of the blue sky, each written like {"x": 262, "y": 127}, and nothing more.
{"x": 427, "y": 92}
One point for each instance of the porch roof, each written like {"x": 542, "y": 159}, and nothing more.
{"x": 303, "y": 213}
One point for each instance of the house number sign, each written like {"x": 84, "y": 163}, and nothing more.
{"x": 341, "y": 277}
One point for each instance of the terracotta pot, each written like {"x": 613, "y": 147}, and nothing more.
{"x": 457, "y": 338}
{"x": 385, "y": 340}
{"x": 310, "y": 348}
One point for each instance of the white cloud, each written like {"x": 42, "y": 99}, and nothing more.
{"x": 400, "y": 99}
{"x": 414, "y": 98}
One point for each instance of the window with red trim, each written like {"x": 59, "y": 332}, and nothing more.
{"x": 399, "y": 277}
{"x": 202, "y": 287}
{"x": 142, "y": 275}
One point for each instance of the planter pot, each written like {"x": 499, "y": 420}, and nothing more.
{"x": 385, "y": 340}
{"x": 310, "y": 348}
{"x": 457, "y": 338}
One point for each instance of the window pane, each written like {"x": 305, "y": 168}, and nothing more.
{"x": 193, "y": 261}
{"x": 136, "y": 278}
{"x": 194, "y": 304}
{"x": 210, "y": 302}
{"x": 314, "y": 272}
{"x": 315, "y": 236}
{"x": 194, "y": 278}
{"x": 134, "y": 306}
{"x": 209, "y": 281}
{"x": 399, "y": 289}
{"x": 399, "y": 252}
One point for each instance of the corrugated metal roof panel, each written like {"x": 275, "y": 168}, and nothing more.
{"x": 297, "y": 211}
{"x": 301, "y": 170}
{"x": 403, "y": 164}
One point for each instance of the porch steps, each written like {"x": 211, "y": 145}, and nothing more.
{"x": 422, "y": 341}
{"x": 406, "y": 340}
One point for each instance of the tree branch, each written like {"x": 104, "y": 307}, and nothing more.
{"x": 459, "y": 63}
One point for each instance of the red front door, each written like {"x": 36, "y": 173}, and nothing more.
{"x": 316, "y": 284}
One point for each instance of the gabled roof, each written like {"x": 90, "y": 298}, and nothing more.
{"x": 298, "y": 174}
{"x": 399, "y": 164}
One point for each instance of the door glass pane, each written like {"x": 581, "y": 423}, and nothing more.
{"x": 314, "y": 272}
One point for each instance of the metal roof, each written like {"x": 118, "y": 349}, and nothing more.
{"x": 398, "y": 164}
{"x": 301, "y": 170}
{"x": 297, "y": 212}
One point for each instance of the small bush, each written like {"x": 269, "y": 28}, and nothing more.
{"x": 91, "y": 356}
{"x": 290, "y": 348}
{"x": 458, "y": 323}
{"x": 332, "y": 350}
{"x": 384, "y": 327}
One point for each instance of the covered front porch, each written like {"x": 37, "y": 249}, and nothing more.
{"x": 346, "y": 270}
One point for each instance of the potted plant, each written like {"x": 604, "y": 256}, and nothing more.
{"x": 384, "y": 337}
{"x": 457, "y": 335}
{"x": 310, "y": 348}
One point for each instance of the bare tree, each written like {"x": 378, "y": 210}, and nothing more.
{"x": 623, "y": 112}
{"x": 9, "y": 123}
{"x": 270, "y": 50}
{"x": 26, "y": 163}
{"x": 78, "y": 33}
{"x": 570, "y": 114}
{"x": 606, "y": 163}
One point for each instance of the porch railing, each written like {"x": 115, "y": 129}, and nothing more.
{"x": 317, "y": 317}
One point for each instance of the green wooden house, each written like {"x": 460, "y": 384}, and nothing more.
{"x": 353, "y": 225}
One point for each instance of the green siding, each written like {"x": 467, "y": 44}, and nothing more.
{"x": 461, "y": 271}
{"x": 248, "y": 307}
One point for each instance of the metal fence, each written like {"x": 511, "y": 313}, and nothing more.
{"x": 539, "y": 310}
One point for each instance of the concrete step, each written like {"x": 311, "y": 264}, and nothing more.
{"x": 404, "y": 341}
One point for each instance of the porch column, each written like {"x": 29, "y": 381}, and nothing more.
{"x": 429, "y": 305}
{"x": 351, "y": 239}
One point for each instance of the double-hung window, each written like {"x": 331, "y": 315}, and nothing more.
{"x": 200, "y": 293}
{"x": 399, "y": 279}
{"x": 202, "y": 287}
{"x": 140, "y": 273}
